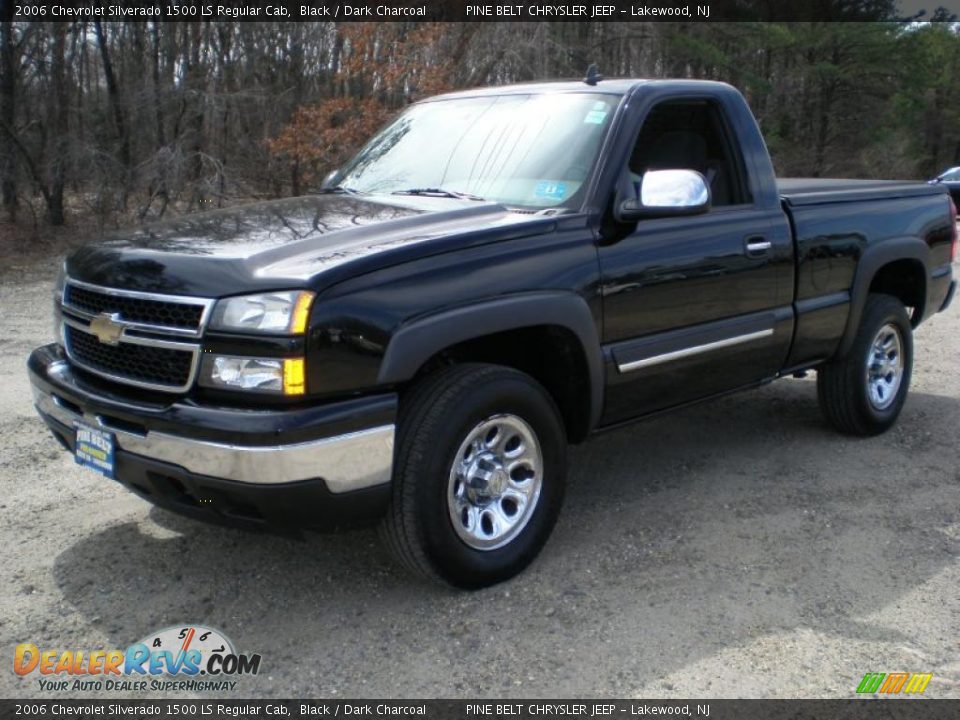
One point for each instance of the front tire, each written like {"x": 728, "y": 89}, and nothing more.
{"x": 863, "y": 392}
{"x": 479, "y": 475}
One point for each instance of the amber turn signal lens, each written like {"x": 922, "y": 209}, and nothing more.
{"x": 294, "y": 377}
{"x": 301, "y": 313}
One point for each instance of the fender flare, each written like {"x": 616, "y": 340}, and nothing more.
{"x": 418, "y": 340}
{"x": 874, "y": 258}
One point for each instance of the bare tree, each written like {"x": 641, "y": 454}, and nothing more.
{"x": 133, "y": 120}
{"x": 8, "y": 150}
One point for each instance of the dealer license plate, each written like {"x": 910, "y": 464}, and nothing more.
{"x": 94, "y": 449}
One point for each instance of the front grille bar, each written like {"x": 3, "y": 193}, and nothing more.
{"x": 133, "y": 332}
{"x": 192, "y": 348}
{"x": 205, "y": 303}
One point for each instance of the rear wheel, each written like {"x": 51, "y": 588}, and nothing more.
{"x": 863, "y": 392}
{"x": 479, "y": 475}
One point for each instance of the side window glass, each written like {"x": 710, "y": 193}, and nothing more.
{"x": 690, "y": 136}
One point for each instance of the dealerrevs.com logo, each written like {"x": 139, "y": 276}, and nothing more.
{"x": 178, "y": 658}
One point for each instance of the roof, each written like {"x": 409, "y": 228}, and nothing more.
{"x": 611, "y": 86}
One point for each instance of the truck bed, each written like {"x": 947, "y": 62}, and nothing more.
{"x": 817, "y": 191}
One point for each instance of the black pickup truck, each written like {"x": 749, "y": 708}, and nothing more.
{"x": 496, "y": 274}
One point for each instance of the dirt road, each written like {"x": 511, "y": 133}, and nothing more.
{"x": 739, "y": 548}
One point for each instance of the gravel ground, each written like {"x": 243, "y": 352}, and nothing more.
{"x": 735, "y": 549}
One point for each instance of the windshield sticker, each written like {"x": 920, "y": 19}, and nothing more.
{"x": 595, "y": 117}
{"x": 552, "y": 190}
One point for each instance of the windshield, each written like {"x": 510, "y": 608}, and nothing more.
{"x": 527, "y": 150}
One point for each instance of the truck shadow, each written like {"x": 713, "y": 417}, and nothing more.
{"x": 680, "y": 537}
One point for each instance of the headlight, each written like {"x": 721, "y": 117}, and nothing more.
{"x": 278, "y": 312}
{"x": 277, "y": 376}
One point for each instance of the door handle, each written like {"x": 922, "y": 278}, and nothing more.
{"x": 757, "y": 246}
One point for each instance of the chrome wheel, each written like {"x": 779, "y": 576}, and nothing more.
{"x": 884, "y": 367}
{"x": 495, "y": 482}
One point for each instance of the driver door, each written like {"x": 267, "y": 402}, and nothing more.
{"x": 697, "y": 305}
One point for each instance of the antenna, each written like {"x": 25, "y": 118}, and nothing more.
{"x": 593, "y": 75}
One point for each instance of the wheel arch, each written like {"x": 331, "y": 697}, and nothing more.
{"x": 896, "y": 267}
{"x": 550, "y": 319}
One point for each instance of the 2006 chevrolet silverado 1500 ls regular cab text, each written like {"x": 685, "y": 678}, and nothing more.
{"x": 496, "y": 274}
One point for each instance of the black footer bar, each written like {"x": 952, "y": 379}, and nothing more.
{"x": 872, "y": 708}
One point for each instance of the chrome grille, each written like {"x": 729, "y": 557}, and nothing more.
{"x": 170, "y": 369}
{"x": 174, "y": 314}
{"x": 146, "y": 348}
{"x": 159, "y": 313}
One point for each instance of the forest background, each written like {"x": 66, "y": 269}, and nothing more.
{"x": 106, "y": 125}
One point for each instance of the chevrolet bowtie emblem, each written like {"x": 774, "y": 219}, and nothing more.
{"x": 107, "y": 327}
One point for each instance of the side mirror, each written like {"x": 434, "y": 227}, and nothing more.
{"x": 666, "y": 193}
{"x": 328, "y": 179}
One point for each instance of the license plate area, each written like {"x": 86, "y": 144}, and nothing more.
{"x": 94, "y": 449}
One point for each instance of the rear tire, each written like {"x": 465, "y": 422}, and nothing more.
{"x": 479, "y": 475}
{"x": 863, "y": 392}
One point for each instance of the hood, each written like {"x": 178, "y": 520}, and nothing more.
{"x": 301, "y": 242}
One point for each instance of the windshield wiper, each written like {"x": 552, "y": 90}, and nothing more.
{"x": 439, "y": 192}
{"x": 340, "y": 190}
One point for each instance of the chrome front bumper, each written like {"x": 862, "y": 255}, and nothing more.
{"x": 346, "y": 462}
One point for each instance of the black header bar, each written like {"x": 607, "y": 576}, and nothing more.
{"x": 486, "y": 10}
